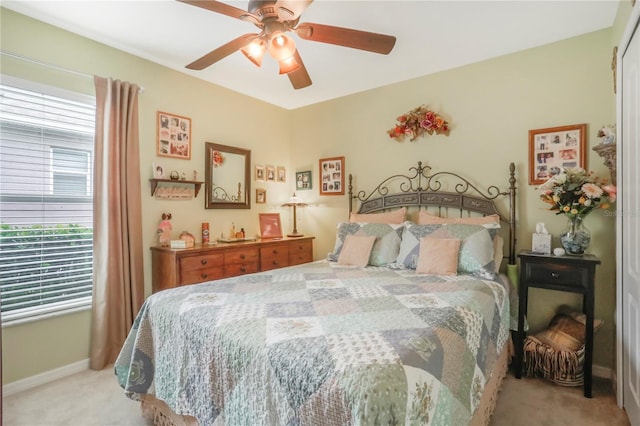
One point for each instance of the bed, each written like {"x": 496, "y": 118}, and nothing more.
{"x": 340, "y": 341}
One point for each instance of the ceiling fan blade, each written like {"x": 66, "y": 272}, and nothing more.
{"x": 289, "y": 10}
{"x": 356, "y": 39}
{"x": 300, "y": 77}
{"x": 224, "y": 9}
{"x": 221, "y": 52}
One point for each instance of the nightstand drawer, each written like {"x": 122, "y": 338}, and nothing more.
{"x": 548, "y": 273}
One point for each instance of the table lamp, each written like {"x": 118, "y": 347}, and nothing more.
{"x": 295, "y": 202}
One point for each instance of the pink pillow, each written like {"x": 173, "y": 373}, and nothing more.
{"x": 356, "y": 250}
{"x": 424, "y": 218}
{"x": 438, "y": 256}
{"x": 395, "y": 217}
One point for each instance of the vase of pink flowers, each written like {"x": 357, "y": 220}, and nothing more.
{"x": 575, "y": 193}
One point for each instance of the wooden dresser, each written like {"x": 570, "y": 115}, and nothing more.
{"x": 176, "y": 267}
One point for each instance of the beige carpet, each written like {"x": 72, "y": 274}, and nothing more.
{"x": 94, "y": 398}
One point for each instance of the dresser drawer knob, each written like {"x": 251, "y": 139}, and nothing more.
{"x": 275, "y": 262}
{"x": 555, "y": 275}
{"x": 275, "y": 252}
{"x": 242, "y": 256}
{"x": 203, "y": 261}
{"x": 204, "y": 275}
{"x": 243, "y": 269}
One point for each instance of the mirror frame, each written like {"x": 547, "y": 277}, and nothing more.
{"x": 208, "y": 202}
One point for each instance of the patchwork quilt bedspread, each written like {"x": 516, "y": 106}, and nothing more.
{"x": 319, "y": 343}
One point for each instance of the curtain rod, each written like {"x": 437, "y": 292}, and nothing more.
{"x": 55, "y": 67}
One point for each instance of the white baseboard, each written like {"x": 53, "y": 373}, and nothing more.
{"x": 46, "y": 377}
{"x": 602, "y": 372}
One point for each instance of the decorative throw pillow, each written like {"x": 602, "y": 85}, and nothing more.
{"x": 395, "y": 217}
{"x": 356, "y": 250}
{"x": 385, "y": 249}
{"x": 490, "y": 221}
{"x": 424, "y": 218}
{"x": 476, "y": 246}
{"x": 438, "y": 256}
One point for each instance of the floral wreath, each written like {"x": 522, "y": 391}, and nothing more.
{"x": 416, "y": 123}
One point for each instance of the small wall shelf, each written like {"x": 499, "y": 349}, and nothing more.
{"x": 608, "y": 152}
{"x": 154, "y": 184}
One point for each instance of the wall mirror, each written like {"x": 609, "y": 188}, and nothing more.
{"x": 227, "y": 177}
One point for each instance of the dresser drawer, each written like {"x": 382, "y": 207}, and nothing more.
{"x": 233, "y": 269}
{"x": 272, "y": 257}
{"x": 192, "y": 263}
{"x": 202, "y": 275}
{"x": 300, "y": 252}
{"x": 241, "y": 261}
{"x": 242, "y": 255}
{"x": 547, "y": 273}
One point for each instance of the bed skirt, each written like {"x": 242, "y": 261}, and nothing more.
{"x": 161, "y": 415}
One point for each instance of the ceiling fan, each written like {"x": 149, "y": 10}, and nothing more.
{"x": 275, "y": 18}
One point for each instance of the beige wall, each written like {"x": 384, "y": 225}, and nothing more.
{"x": 490, "y": 105}
{"x": 218, "y": 115}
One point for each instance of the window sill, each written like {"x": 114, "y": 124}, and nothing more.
{"x": 9, "y": 319}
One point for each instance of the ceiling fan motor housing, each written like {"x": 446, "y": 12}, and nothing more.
{"x": 267, "y": 9}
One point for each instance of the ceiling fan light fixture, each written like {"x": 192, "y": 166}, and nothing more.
{"x": 281, "y": 46}
{"x": 288, "y": 65}
{"x": 254, "y": 51}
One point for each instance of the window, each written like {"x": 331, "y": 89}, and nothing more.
{"x": 46, "y": 201}
{"x": 71, "y": 171}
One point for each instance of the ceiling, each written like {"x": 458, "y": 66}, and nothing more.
{"x": 431, "y": 36}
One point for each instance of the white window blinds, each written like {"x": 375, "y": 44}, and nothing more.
{"x": 46, "y": 202}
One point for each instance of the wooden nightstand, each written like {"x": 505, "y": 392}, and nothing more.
{"x": 575, "y": 274}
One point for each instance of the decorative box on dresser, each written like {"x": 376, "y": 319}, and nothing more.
{"x": 206, "y": 262}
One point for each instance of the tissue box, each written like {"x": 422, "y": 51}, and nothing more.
{"x": 541, "y": 243}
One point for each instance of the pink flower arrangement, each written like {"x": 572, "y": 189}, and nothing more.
{"x": 416, "y": 123}
{"x": 575, "y": 193}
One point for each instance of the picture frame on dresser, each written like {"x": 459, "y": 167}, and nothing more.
{"x": 270, "y": 226}
{"x": 331, "y": 171}
{"x": 555, "y": 148}
{"x": 173, "y": 136}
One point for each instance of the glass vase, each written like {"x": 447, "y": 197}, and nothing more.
{"x": 577, "y": 237}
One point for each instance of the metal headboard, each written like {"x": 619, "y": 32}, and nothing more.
{"x": 424, "y": 189}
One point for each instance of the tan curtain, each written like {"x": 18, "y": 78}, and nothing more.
{"x": 118, "y": 279}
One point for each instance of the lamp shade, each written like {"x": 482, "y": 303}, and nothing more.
{"x": 254, "y": 51}
{"x": 281, "y": 46}
{"x": 288, "y": 65}
{"x": 295, "y": 201}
